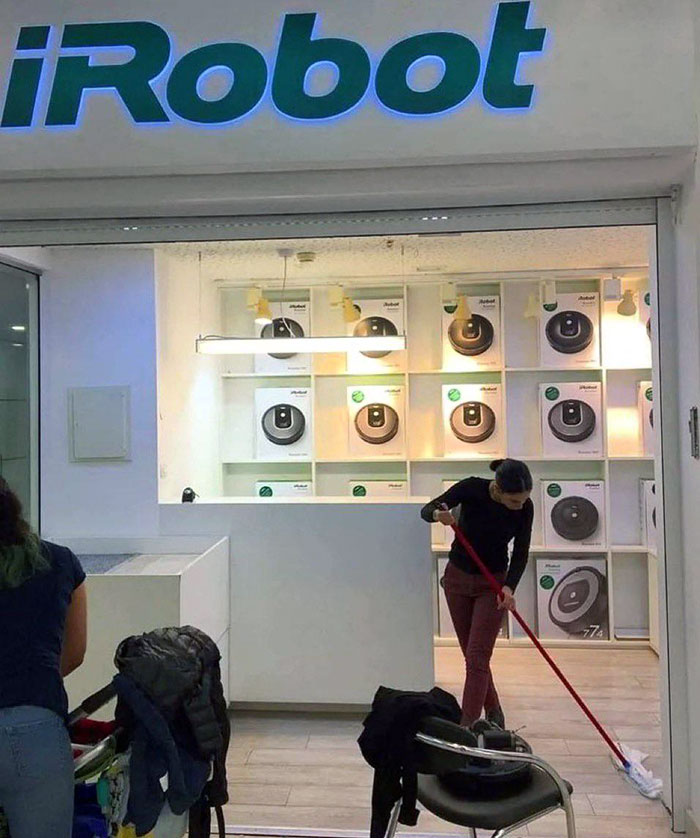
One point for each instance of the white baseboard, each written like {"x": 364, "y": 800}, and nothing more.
{"x": 692, "y": 829}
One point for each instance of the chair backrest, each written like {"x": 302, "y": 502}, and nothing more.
{"x": 433, "y": 760}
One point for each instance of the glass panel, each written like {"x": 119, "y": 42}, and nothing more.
{"x": 18, "y": 380}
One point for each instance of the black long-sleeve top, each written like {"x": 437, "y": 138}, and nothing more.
{"x": 489, "y": 526}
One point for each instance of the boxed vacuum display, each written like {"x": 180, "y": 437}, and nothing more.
{"x": 645, "y": 403}
{"x": 571, "y": 419}
{"x": 573, "y": 512}
{"x": 569, "y": 331}
{"x": 572, "y": 598}
{"x": 377, "y": 421}
{"x": 284, "y": 488}
{"x": 378, "y": 488}
{"x": 471, "y": 417}
{"x": 283, "y": 423}
{"x": 377, "y": 318}
{"x": 291, "y": 319}
{"x": 647, "y": 512}
{"x": 474, "y": 343}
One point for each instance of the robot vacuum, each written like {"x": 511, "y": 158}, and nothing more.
{"x": 574, "y": 518}
{"x": 282, "y": 327}
{"x": 651, "y": 417}
{"x": 473, "y": 422}
{"x": 377, "y": 423}
{"x": 374, "y": 327}
{"x": 283, "y": 424}
{"x": 579, "y": 600}
{"x": 572, "y": 420}
{"x": 569, "y": 332}
{"x": 470, "y": 337}
{"x": 649, "y": 327}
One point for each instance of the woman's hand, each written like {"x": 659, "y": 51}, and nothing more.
{"x": 506, "y": 600}
{"x": 444, "y": 516}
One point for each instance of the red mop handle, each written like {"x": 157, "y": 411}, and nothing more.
{"x": 493, "y": 582}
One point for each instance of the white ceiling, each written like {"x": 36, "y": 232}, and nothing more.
{"x": 590, "y": 249}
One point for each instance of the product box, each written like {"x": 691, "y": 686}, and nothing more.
{"x": 572, "y": 598}
{"x": 570, "y": 331}
{"x": 377, "y": 317}
{"x": 284, "y": 489}
{"x": 571, "y": 419}
{"x": 283, "y": 423}
{"x": 376, "y": 421}
{"x": 445, "y": 625}
{"x": 473, "y": 344}
{"x": 472, "y": 420}
{"x": 443, "y": 536}
{"x": 645, "y": 404}
{"x": 378, "y": 488}
{"x": 573, "y": 512}
{"x": 647, "y": 513}
{"x": 291, "y": 319}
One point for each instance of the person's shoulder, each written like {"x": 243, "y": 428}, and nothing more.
{"x": 61, "y": 557}
{"x": 529, "y": 508}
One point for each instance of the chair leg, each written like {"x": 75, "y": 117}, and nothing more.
{"x": 570, "y": 820}
{"x": 393, "y": 820}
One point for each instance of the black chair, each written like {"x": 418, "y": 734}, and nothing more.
{"x": 443, "y": 748}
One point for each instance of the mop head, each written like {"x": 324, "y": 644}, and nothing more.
{"x": 636, "y": 774}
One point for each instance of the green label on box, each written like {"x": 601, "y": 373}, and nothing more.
{"x": 552, "y": 393}
{"x": 359, "y": 491}
{"x": 265, "y": 492}
{"x": 358, "y": 396}
{"x": 547, "y": 582}
{"x": 647, "y": 299}
{"x": 554, "y": 490}
{"x": 453, "y": 394}
{"x": 550, "y": 306}
{"x": 648, "y": 394}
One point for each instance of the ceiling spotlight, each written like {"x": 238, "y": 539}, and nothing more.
{"x": 532, "y": 309}
{"x": 306, "y": 256}
{"x": 263, "y": 313}
{"x": 627, "y": 306}
{"x": 350, "y": 310}
{"x": 462, "y": 312}
{"x": 336, "y": 295}
{"x": 253, "y": 296}
{"x": 548, "y": 291}
{"x": 449, "y": 294}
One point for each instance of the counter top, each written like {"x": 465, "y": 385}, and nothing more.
{"x": 146, "y": 564}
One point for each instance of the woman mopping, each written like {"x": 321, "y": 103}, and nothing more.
{"x": 492, "y": 514}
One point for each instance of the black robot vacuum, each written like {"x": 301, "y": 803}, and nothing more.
{"x": 579, "y": 600}
{"x": 473, "y": 422}
{"x": 282, "y": 327}
{"x": 651, "y": 417}
{"x": 569, "y": 332}
{"x": 372, "y": 327}
{"x": 283, "y": 424}
{"x": 470, "y": 337}
{"x": 574, "y": 518}
{"x": 572, "y": 420}
{"x": 377, "y": 423}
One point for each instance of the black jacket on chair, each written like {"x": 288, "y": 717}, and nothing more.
{"x": 387, "y": 744}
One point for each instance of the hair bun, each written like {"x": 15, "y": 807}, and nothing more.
{"x": 494, "y": 465}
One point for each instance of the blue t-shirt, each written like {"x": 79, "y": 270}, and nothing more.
{"x": 32, "y": 621}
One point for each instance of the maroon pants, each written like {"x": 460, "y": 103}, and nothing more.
{"x": 477, "y": 621}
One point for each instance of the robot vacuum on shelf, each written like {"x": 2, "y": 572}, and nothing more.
{"x": 377, "y": 423}
{"x": 651, "y": 417}
{"x": 575, "y": 518}
{"x": 572, "y": 420}
{"x": 569, "y": 332}
{"x": 470, "y": 337}
{"x": 283, "y": 424}
{"x": 282, "y": 327}
{"x": 374, "y": 326}
{"x": 473, "y": 422}
{"x": 579, "y": 600}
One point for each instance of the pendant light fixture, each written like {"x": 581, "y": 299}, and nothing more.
{"x": 627, "y": 306}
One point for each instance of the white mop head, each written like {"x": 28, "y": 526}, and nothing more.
{"x": 637, "y": 775}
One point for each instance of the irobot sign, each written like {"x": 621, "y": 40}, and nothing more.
{"x": 156, "y": 86}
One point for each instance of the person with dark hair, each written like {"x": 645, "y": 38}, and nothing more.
{"x": 492, "y": 513}
{"x": 43, "y": 616}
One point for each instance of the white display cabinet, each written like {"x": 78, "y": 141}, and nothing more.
{"x": 625, "y": 353}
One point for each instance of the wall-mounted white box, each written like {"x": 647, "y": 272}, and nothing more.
{"x": 99, "y": 426}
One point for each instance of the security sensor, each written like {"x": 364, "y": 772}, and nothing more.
{"x": 375, "y": 326}
{"x": 569, "y": 332}
{"x": 282, "y": 327}
{"x": 572, "y": 420}
{"x": 473, "y": 422}
{"x": 283, "y": 424}
{"x": 574, "y": 518}
{"x": 471, "y": 336}
{"x": 579, "y": 600}
{"x": 377, "y": 423}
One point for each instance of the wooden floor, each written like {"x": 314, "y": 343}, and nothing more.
{"x": 306, "y": 772}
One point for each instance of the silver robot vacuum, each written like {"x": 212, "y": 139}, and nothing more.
{"x": 374, "y": 327}
{"x": 282, "y": 327}
{"x": 377, "y": 423}
{"x": 473, "y": 422}
{"x": 579, "y": 600}
{"x": 569, "y": 332}
{"x": 572, "y": 420}
{"x": 283, "y": 424}
{"x": 574, "y": 518}
{"x": 470, "y": 337}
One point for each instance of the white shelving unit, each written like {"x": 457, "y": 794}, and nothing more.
{"x": 424, "y": 465}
